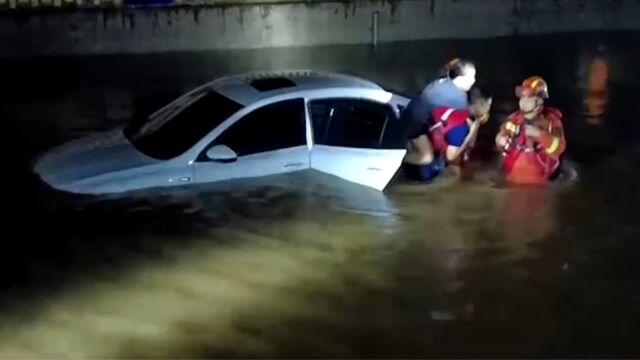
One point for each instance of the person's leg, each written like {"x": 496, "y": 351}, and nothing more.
{"x": 424, "y": 172}
{"x": 420, "y": 151}
{"x": 411, "y": 171}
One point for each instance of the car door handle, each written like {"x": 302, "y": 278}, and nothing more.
{"x": 374, "y": 169}
{"x": 180, "y": 180}
{"x": 225, "y": 161}
{"x": 293, "y": 164}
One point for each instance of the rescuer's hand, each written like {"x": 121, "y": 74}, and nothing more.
{"x": 532, "y": 131}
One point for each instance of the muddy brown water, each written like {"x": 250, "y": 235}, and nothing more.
{"x": 309, "y": 266}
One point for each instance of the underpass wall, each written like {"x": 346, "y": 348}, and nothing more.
{"x": 118, "y": 29}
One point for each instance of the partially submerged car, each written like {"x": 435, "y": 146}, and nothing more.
{"x": 243, "y": 126}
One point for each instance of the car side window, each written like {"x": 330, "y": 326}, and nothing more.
{"x": 272, "y": 127}
{"x": 356, "y": 123}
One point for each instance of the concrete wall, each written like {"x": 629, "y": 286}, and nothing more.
{"x": 243, "y": 26}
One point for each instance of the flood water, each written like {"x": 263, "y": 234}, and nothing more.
{"x": 310, "y": 266}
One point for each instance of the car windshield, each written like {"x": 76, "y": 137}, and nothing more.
{"x": 176, "y": 128}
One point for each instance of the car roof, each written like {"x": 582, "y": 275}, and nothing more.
{"x": 251, "y": 87}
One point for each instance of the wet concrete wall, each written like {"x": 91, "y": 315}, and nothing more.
{"x": 244, "y": 26}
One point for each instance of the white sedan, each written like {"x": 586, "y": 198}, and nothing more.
{"x": 244, "y": 126}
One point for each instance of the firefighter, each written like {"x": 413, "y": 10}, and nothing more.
{"x": 532, "y": 139}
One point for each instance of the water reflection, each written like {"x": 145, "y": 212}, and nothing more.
{"x": 219, "y": 291}
{"x": 528, "y": 215}
{"x": 597, "y": 87}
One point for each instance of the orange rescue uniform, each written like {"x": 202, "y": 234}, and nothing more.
{"x": 528, "y": 160}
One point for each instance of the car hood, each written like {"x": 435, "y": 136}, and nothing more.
{"x": 90, "y": 157}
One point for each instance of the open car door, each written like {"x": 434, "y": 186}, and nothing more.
{"x": 357, "y": 139}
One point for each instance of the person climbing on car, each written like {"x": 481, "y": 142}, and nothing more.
{"x": 532, "y": 139}
{"x": 440, "y": 122}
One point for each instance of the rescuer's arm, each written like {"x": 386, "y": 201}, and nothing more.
{"x": 553, "y": 142}
{"x": 502, "y": 137}
{"x": 454, "y": 152}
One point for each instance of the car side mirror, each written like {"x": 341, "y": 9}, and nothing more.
{"x": 222, "y": 153}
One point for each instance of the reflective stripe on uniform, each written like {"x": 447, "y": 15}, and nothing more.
{"x": 554, "y": 145}
{"x": 439, "y": 124}
{"x": 446, "y": 114}
{"x": 511, "y": 127}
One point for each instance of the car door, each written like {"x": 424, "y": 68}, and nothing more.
{"x": 269, "y": 140}
{"x": 356, "y": 139}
